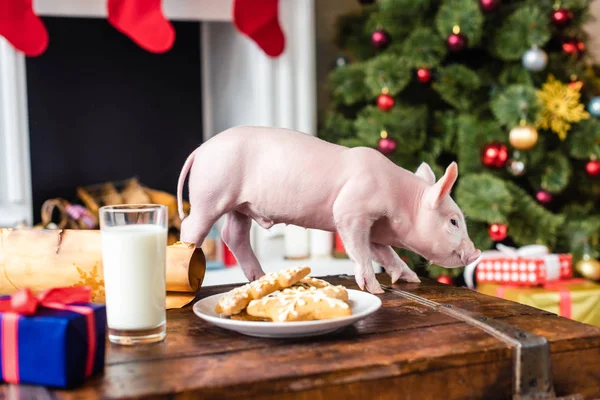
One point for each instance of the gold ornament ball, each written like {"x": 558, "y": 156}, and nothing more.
{"x": 523, "y": 137}
{"x": 589, "y": 268}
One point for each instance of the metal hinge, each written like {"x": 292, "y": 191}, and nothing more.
{"x": 532, "y": 376}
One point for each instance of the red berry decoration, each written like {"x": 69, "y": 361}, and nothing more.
{"x": 380, "y": 39}
{"x": 424, "y": 75}
{"x": 562, "y": 16}
{"x": 593, "y": 168}
{"x": 577, "y": 85}
{"x": 456, "y": 42}
{"x": 543, "y": 197}
{"x": 488, "y": 5}
{"x": 497, "y": 232}
{"x": 494, "y": 155}
{"x": 572, "y": 46}
{"x": 385, "y": 102}
{"x": 386, "y": 145}
{"x": 445, "y": 279}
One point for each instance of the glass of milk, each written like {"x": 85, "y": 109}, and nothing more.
{"x": 134, "y": 246}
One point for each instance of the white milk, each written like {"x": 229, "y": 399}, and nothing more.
{"x": 134, "y": 259}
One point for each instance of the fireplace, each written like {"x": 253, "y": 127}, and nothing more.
{"x": 102, "y": 109}
{"x": 60, "y": 119}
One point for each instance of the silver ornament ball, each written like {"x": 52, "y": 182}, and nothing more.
{"x": 516, "y": 167}
{"x": 535, "y": 59}
{"x": 594, "y": 106}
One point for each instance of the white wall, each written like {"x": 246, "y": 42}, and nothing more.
{"x": 15, "y": 181}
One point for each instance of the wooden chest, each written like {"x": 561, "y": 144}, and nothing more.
{"x": 428, "y": 341}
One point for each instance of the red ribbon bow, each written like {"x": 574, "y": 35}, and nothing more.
{"x": 24, "y": 302}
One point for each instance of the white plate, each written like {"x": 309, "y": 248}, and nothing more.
{"x": 362, "y": 304}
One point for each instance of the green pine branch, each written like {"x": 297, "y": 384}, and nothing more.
{"x": 473, "y": 134}
{"x": 402, "y": 123}
{"x": 525, "y": 27}
{"x": 425, "y": 47}
{"x": 387, "y": 71}
{"x": 484, "y": 198}
{"x": 465, "y": 14}
{"x": 348, "y": 84}
{"x": 456, "y": 84}
{"x": 514, "y": 104}
{"x": 555, "y": 174}
{"x": 583, "y": 141}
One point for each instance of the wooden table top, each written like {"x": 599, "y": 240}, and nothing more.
{"x": 405, "y": 349}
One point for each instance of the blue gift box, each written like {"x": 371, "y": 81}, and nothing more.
{"x": 53, "y": 346}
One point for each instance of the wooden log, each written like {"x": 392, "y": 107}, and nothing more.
{"x": 42, "y": 259}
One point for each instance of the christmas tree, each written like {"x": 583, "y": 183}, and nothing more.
{"x": 503, "y": 87}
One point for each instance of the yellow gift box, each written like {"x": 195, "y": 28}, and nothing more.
{"x": 577, "y": 299}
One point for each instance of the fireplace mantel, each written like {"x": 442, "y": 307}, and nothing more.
{"x": 241, "y": 85}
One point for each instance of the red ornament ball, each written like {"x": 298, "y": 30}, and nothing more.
{"x": 424, "y": 75}
{"x": 386, "y": 145}
{"x": 494, "y": 155}
{"x": 593, "y": 168}
{"x": 488, "y": 5}
{"x": 543, "y": 197}
{"x": 456, "y": 42}
{"x": 562, "y": 16}
{"x": 380, "y": 39}
{"x": 445, "y": 279}
{"x": 498, "y": 232}
{"x": 385, "y": 102}
{"x": 572, "y": 46}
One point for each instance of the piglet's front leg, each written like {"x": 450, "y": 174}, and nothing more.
{"x": 355, "y": 234}
{"x": 393, "y": 264}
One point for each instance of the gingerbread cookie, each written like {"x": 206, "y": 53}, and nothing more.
{"x": 338, "y": 292}
{"x": 237, "y": 299}
{"x": 299, "y": 304}
{"x": 244, "y": 316}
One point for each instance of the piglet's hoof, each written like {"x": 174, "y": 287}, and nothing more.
{"x": 410, "y": 276}
{"x": 372, "y": 285}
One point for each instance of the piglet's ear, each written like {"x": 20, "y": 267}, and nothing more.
{"x": 424, "y": 171}
{"x": 436, "y": 193}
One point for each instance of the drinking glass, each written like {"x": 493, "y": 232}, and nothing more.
{"x": 134, "y": 247}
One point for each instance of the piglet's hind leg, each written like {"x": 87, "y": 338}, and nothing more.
{"x": 236, "y": 234}
{"x": 195, "y": 228}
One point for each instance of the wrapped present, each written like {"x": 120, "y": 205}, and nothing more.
{"x": 528, "y": 266}
{"x": 56, "y": 338}
{"x": 576, "y": 299}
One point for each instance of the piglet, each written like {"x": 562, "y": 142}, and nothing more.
{"x": 273, "y": 176}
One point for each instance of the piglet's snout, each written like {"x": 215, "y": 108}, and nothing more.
{"x": 468, "y": 253}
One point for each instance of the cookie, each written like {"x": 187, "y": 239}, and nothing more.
{"x": 237, "y": 299}
{"x": 276, "y": 281}
{"x": 337, "y": 292}
{"x": 244, "y": 316}
{"x": 299, "y": 304}
{"x": 234, "y": 301}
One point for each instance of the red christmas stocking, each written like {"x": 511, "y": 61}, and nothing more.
{"x": 143, "y": 22}
{"x": 22, "y": 28}
{"x": 258, "y": 19}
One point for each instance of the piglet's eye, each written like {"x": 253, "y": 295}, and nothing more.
{"x": 454, "y": 222}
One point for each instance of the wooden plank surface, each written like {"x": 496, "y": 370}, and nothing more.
{"x": 405, "y": 348}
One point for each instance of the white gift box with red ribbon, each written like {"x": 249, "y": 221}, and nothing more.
{"x": 527, "y": 266}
